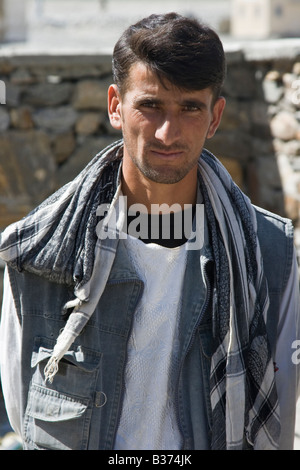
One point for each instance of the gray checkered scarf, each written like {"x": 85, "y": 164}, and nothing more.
{"x": 58, "y": 241}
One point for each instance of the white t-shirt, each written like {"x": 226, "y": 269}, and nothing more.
{"x": 148, "y": 419}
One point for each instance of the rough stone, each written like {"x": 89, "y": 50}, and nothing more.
{"x": 13, "y": 95}
{"x": 21, "y": 118}
{"x": 4, "y": 119}
{"x": 63, "y": 145}
{"x": 21, "y": 76}
{"x": 236, "y": 116}
{"x": 252, "y": 181}
{"x": 271, "y": 199}
{"x": 26, "y": 167}
{"x": 240, "y": 83}
{"x": 238, "y": 144}
{"x": 268, "y": 171}
{"x": 48, "y": 94}
{"x": 80, "y": 158}
{"x": 262, "y": 147}
{"x": 290, "y": 186}
{"x": 291, "y": 205}
{"x": 259, "y": 111}
{"x": 6, "y": 67}
{"x": 88, "y": 123}
{"x": 233, "y": 166}
{"x": 291, "y": 148}
{"x": 91, "y": 94}
{"x": 59, "y": 120}
{"x": 284, "y": 126}
{"x": 272, "y": 87}
{"x": 288, "y": 79}
{"x": 296, "y": 68}
{"x": 68, "y": 67}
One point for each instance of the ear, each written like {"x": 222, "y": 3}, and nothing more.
{"x": 114, "y": 107}
{"x": 216, "y": 116}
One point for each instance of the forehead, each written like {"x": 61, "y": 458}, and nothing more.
{"x": 143, "y": 81}
{"x": 140, "y": 74}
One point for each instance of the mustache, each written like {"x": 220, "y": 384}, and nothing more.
{"x": 157, "y": 146}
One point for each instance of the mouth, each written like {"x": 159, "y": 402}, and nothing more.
{"x": 170, "y": 155}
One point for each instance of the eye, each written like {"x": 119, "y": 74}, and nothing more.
{"x": 191, "y": 108}
{"x": 149, "y": 104}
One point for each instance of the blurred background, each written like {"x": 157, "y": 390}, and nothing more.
{"x": 98, "y": 23}
{"x": 55, "y": 66}
{"x": 93, "y": 23}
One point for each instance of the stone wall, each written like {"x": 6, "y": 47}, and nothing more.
{"x": 55, "y": 120}
{"x": 259, "y": 138}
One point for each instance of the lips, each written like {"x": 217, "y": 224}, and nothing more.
{"x": 167, "y": 155}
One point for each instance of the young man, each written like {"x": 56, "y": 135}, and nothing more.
{"x": 120, "y": 334}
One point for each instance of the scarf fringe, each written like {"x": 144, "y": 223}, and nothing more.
{"x": 63, "y": 343}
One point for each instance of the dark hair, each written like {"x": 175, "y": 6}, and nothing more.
{"x": 180, "y": 50}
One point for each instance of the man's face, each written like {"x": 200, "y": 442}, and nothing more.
{"x": 164, "y": 128}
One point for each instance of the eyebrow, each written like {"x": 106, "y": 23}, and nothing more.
{"x": 194, "y": 102}
{"x": 152, "y": 99}
{"x": 185, "y": 102}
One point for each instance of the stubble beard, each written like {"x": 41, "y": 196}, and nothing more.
{"x": 163, "y": 174}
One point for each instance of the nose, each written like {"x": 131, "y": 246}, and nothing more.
{"x": 168, "y": 130}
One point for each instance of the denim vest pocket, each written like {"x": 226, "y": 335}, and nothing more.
{"x": 58, "y": 415}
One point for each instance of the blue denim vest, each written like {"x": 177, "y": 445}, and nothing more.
{"x": 80, "y": 410}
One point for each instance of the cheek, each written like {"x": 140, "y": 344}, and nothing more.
{"x": 131, "y": 133}
{"x": 139, "y": 130}
{"x": 194, "y": 132}
{"x": 133, "y": 137}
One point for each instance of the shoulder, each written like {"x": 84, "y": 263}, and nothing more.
{"x": 35, "y": 293}
{"x": 269, "y": 223}
{"x": 276, "y": 239}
